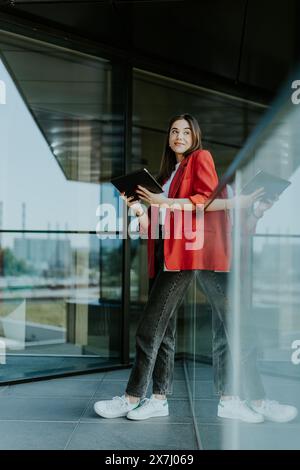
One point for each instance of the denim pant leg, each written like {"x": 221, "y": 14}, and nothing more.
{"x": 166, "y": 294}
{"x": 217, "y": 299}
{"x": 163, "y": 372}
{"x": 250, "y": 385}
{"x": 164, "y": 364}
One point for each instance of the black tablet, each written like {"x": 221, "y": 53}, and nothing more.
{"x": 128, "y": 183}
{"x": 273, "y": 185}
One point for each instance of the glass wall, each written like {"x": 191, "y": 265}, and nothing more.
{"x": 264, "y": 296}
{"x": 62, "y": 139}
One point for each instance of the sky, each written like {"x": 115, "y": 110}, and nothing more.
{"x": 30, "y": 173}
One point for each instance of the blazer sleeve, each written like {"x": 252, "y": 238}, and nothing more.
{"x": 205, "y": 178}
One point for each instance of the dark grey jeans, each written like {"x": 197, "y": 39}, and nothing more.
{"x": 155, "y": 337}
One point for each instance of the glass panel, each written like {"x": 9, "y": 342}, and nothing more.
{"x": 62, "y": 139}
{"x": 76, "y": 103}
{"x": 51, "y": 307}
{"x": 265, "y": 323}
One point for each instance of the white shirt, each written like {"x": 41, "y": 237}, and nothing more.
{"x": 166, "y": 188}
{"x": 162, "y": 210}
{"x": 167, "y": 184}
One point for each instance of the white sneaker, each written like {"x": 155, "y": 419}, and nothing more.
{"x": 150, "y": 408}
{"x": 274, "y": 411}
{"x": 235, "y": 408}
{"x": 115, "y": 408}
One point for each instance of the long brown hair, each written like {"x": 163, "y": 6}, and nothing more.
{"x": 168, "y": 160}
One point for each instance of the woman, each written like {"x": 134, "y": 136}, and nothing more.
{"x": 189, "y": 178}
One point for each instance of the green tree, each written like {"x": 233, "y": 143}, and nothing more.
{"x": 10, "y": 265}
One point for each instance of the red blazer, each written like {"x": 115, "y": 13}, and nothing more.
{"x": 195, "y": 179}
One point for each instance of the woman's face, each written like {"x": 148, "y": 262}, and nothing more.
{"x": 180, "y": 137}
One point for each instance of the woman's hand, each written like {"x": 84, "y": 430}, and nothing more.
{"x": 245, "y": 201}
{"x": 133, "y": 204}
{"x": 151, "y": 198}
{"x": 263, "y": 206}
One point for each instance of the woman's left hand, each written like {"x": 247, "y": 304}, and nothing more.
{"x": 263, "y": 206}
{"x": 151, "y": 198}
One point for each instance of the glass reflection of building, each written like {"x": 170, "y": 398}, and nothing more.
{"x": 71, "y": 300}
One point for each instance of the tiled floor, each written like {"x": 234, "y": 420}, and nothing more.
{"x": 58, "y": 414}
{"x": 216, "y": 433}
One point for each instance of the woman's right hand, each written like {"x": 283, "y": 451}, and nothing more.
{"x": 245, "y": 201}
{"x": 133, "y": 204}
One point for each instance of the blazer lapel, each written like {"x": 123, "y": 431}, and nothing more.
{"x": 178, "y": 177}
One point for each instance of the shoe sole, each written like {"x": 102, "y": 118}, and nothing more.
{"x": 282, "y": 420}
{"x": 159, "y": 414}
{"x": 105, "y": 415}
{"x": 241, "y": 419}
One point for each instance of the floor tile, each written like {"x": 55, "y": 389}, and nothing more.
{"x": 211, "y": 436}
{"x": 133, "y": 435}
{"x": 117, "y": 375}
{"x": 26, "y": 435}
{"x": 206, "y": 411}
{"x": 42, "y": 409}
{"x": 203, "y": 389}
{"x": 264, "y": 436}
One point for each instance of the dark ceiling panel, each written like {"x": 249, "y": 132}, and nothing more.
{"x": 193, "y": 35}
{"x": 204, "y": 36}
{"x": 101, "y": 22}
{"x": 181, "y": 32}
{"x": 270, "y": 42}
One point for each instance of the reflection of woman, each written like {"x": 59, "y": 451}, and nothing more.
{"x": 188, "y": 176}
{"x": 243, "y": 398}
